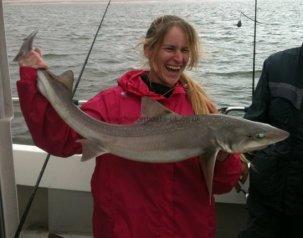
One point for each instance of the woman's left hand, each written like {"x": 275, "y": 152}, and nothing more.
{"x": 33, "y": 59}
{"x": 245, "y": 169}
{"x": 222, "y": 155}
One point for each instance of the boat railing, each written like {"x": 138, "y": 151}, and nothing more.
{"x": 77, "y": 102}
{"x": 224, "y": 110}
{"x": 227, "y": 110}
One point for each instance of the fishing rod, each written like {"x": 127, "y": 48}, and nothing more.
{"x": 239, "y": 24}
{"x": 254, "y": 51}
{"x": 32, "y": 196}
{"x": 2, "y": 225}
{"x": 225, "y": 110}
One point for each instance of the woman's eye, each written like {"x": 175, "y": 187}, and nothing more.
{"x": 185, "y": 50}
{"x": 170, "y": 49}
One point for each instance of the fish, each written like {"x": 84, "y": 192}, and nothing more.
{"x": 159, "y": 135}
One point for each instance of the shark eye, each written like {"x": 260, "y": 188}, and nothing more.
{"x": 260, "y": 135}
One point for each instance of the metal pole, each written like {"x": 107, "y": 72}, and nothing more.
{"x": 9, "y": 208}
{"x": 254, "y": 53}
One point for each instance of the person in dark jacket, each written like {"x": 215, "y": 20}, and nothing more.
{"x": 275, "y": 201}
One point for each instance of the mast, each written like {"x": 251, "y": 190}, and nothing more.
{"x": 8, "y": 195}
{"x": 254, "y": 50}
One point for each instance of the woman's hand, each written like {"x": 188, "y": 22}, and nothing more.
{"x": 222, "y": 155}
{"x": 245, "y": 169}
{"x": 33, "y": 59}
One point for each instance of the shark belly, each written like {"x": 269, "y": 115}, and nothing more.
{"x": 153, "y": 149}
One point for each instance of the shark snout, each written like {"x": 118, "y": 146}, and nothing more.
{"x": 278, "y": 134}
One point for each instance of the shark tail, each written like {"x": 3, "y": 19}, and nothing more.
{"x": 26, "y": 46}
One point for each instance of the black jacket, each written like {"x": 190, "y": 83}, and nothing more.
{"x": 277, "y": 178}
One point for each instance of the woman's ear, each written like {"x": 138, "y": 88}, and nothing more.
{"x": 147, "y": 52}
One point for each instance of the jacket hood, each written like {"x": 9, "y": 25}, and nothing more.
{"x": 132, "y": 82}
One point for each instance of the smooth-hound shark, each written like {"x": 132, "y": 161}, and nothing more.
{"x": 160, "y": 136}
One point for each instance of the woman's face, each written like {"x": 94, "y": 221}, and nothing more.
{"x": 171, "y": 58}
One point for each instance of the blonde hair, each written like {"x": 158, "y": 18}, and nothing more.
{"x": 200, "y": 101}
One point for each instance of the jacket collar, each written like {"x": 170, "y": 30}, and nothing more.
{"x": 132, "y": 82}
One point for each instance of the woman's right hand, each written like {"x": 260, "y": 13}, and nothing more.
{"x": 33, "y": 59}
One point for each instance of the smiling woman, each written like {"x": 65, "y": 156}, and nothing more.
{"x": 137, "y": 199}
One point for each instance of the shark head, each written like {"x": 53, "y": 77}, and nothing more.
{"x": 237, "y": 135}
{"x": 248, "y": 136}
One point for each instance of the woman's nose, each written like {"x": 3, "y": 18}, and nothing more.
{"x": 178, "y": 56}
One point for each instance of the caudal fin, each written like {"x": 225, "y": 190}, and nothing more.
{"x": 26, "y": 46}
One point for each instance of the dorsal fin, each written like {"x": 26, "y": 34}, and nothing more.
{"x": 66, "y": 78}
{"x": 152, "y": 109}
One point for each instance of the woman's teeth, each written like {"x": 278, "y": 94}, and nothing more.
{"x": 173, "y": 68}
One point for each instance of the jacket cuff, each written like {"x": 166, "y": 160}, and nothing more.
{"x": 27, "y": 73}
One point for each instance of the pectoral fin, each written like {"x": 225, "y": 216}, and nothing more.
{"x": 207, "y": 162}
{"x": 90, "y": 149}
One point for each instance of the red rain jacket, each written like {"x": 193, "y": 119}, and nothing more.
{"x": 132, "y": 199}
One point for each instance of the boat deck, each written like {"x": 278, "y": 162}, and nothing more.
{"x": 231, "y": 217}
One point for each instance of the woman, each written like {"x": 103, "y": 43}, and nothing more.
{"x": 133, "y": 199}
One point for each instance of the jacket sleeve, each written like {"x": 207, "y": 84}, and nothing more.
{"x": 48, "y": 130}
{"x": 227, "y": 173}
{"x": 257, "y": 111}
